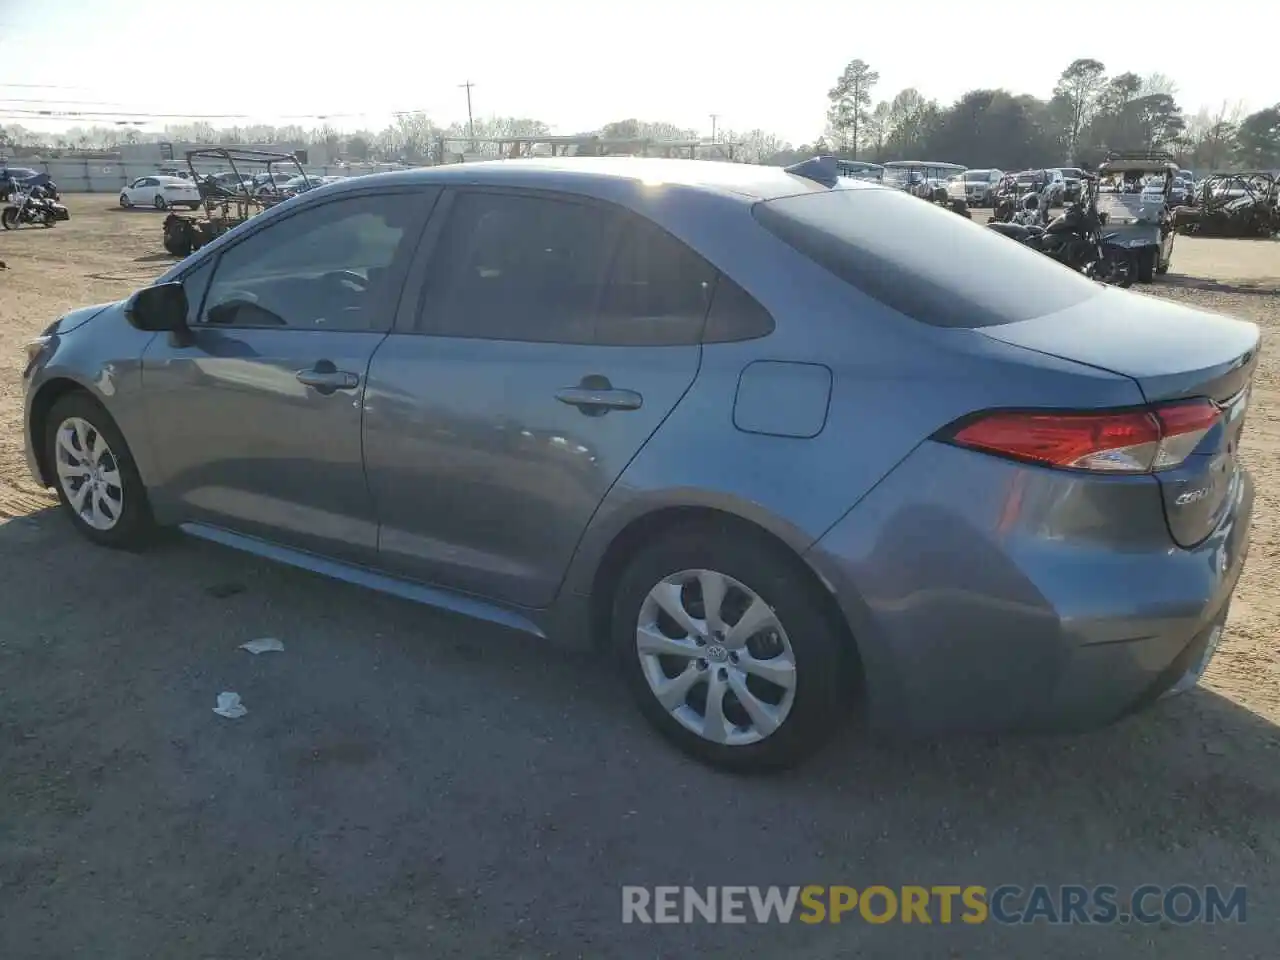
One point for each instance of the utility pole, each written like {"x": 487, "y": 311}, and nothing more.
{"x": 471, "y": 120}
{"x": 714, "y": 118}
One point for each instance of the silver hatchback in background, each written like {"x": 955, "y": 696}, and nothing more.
{"x": 775, "y": 442}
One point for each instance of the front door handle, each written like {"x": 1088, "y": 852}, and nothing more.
{"x": 596, "y": 401}
{"x": 324, "y": 377}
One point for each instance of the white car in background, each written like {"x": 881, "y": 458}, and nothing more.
{"x": 161, "y": 192}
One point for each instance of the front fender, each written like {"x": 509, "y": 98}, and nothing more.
{"x": 101, "y": 356}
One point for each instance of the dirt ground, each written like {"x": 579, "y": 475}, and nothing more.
{"x": 408, "y": 784}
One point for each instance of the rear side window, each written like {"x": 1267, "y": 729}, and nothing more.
{"x": 922, "y": 260}
{"x": 518, "y": 268}
{"x": 658, "y": 291}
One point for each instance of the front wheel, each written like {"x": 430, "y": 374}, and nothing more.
{"x": 125, "y": 202}
{"x": 9, "y": 218}
{"x": 725, "y": 647}
{"x": 1117, "y": 269}
{"x": 95, "y": 476}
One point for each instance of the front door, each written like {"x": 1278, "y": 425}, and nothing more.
{"x": 255, "y": 418}
{"x": 553, "y": 339}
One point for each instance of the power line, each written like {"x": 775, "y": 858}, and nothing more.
{"x": 38, "y": 86}
{"x": 69, "y": 109}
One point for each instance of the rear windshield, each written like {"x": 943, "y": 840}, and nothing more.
{"x": 922, "y": 260}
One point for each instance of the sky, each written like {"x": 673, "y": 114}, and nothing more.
{"x": 573, "y": 64}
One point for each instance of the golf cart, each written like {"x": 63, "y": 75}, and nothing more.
{"x": 228, "y": 200}
{"x": 1133, "y": 200}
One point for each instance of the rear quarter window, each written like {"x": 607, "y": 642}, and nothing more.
{"x": 922, "y": 260}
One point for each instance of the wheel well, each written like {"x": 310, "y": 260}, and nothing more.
{"x": 48, "y": 395}
{"x": 644, "y": 530}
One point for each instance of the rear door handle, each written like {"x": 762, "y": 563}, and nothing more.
{"x": 597, "y": 401}
{"x": 326, "y": 378}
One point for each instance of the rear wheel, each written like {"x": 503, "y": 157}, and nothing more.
{"x": 726, "y": 650}
{"x": 1147, "y": 264}
{"x": 159, "y": 202}
{"x": 95, "y": 476}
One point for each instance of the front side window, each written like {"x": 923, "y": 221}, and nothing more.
{"x": 510, "y": 267}
{"x": 324, "y": 268}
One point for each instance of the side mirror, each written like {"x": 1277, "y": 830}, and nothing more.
{"x": 162, "y": 307}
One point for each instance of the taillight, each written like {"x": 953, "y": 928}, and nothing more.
{"x": 1119, "y": 441}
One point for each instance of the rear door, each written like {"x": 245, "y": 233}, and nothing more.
{"x": 255, "y": 418}
{"x": 551, "y": 337}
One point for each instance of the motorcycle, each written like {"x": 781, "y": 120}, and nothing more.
{"x": 1074, "y": 238}
{"x": 28, "y": 207}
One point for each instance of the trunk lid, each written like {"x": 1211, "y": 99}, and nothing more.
{"x": 1172, "y": 352}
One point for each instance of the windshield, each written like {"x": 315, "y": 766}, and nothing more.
{"x": 921, "y": 260}
{"x": 896, "y": 174}
{"x": 977, "y": 176}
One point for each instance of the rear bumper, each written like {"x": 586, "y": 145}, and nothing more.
{"x": 985, "y": 596}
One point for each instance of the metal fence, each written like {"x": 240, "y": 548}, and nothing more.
{"x": 108, "y": 176}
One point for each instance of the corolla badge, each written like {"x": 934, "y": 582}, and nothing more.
{"x": 1192, "y": 496}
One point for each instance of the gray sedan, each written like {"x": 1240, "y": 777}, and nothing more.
{"x": 776, "y": 443}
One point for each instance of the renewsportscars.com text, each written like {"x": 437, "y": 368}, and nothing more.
{"x": 1007, "y": 904}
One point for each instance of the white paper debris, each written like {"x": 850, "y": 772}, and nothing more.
{"x": 262, "y": 645}
{"x": 229, "y": 706}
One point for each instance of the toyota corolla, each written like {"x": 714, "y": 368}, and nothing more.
{"x": 779, "y": 443}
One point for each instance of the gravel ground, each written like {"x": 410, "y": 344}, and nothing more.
{"x": 409, "y": 784}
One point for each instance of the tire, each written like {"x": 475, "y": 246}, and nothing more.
{"x": 159, "y": 203}
{"x": 123, "y": 503}
{"x": 817, "y": 652}
{"x": 179, "y": 237}
{"x": 9, "y": 218}
{"x": 1146, "y": 266}
{"x": 125, "y": 202}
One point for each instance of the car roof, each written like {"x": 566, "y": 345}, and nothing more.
{"x": 589, "y": 174}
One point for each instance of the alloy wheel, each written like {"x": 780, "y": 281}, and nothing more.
{"x": 89, "y": 474}
{"x": 716, "y": 657}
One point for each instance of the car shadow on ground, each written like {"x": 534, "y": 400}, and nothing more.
{"x": 406, "y": 780}
{"x": 1264, "y": 288}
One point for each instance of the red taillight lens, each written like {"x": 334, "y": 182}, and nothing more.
{"x": 1182, "y": 427}
{"x": 1125, "y": 441}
